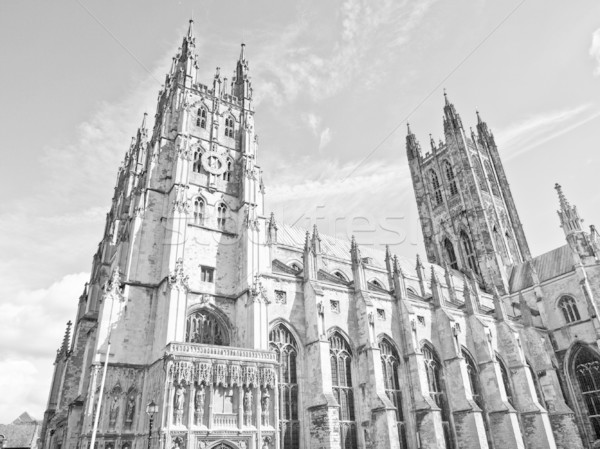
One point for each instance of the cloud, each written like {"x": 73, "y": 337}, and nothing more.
{"x": 325, "y": 138}
{"x": 320, "y": 65}
{"x": 313, "y": 121}
{"x": 32, "y": 331}
{"x": 595, "y": 51}
{"x": 527, "y": 134}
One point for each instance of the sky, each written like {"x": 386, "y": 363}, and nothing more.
{"x": 334, "y": 82}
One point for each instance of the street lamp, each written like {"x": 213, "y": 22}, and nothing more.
{"x": 151, "y": 409}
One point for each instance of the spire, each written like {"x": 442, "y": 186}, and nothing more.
{"x": 189, "y": 42}
{"x": 436, "y": 288}
{"x": 569, "y": 217}
{"x": 307, "y": 242}
{"x": 272, "y": 230}
{"x": 241, "y": 80}
{"x": 316, "y": 240}
{"x": 64, "y": 349}
{"x": 432, "y": 143}
{"x": 190, "y": 32}
{"x": 413, "y": 149}
{"x": 471, "y": 300}
{"x": 355, "y": 251}
{"x": 143, "y": 125}
{"x": 452, "y": 121}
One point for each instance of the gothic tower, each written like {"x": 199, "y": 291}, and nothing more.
{"x": 468, "y": 216}
{"x": 179, "y": 262}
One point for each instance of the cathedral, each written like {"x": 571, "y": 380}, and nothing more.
{"x": 208, "y": 324}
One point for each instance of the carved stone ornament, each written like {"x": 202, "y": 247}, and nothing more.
{"x": 214, "y": 163}
{"x": 112, "y": 287}
{"x": 183, "y": 148}
{"x": 235, "y": 374}
{"x": 268, "y": 377}
{"x": 204, "y": 298}
{"x": 220, "y": 374}
{"x": 258, "y": 293}
{"x": 181, "y": 372}
{"x": 181, "y": 203}
{"x": 249, "y": 375}
{"x": 178, "y": 279}
{"x": 203, "y": 373}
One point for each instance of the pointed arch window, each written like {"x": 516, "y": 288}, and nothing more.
{"x": 282, "y": 342}
{"x": 436, "y": 186}
{"x": 221, "y": 216}
{"x": 536, "y": 384}
{"x": 450, "y": 178}
{"x": 586, "y": 370}
{"x": 469, "y": 252}
{"x": 341, "y": 377}
{"x": 390, "y": 362}
{"x": 197, "y": 165}
{"x": 437, "y": 390}
{"x": 227, "y": 174}
{"x": 568, "y": 305}
{"x": 198, "y": 211}
{"x": 203, "y": 327}
{"x": 506, "y": 381}
{"x": 201, "y": 119}
{"x": 450, "y": 254}
{"x": 473, "y": 373}
{"x": 229, "y": 126}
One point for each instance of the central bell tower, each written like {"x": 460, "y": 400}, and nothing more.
{"x": 467, "y": 212}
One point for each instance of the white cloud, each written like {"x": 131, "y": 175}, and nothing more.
{"x": 32, "y": 330}
{"x": 595, "y": 51}
{"x": 313, "y": 121}
{"x": 325, "y": 138}
{"x": 534, "y": 131}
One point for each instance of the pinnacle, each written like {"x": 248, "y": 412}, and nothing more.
{"x": 564, "y": 204}
{"x": 190, "y": 32}
{"x": 242, "y": 51}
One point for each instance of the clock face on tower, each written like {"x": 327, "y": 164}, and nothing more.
{"x": 213, "y": 163}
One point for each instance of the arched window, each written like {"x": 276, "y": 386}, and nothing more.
{"x": 536, "y": 384}
{"x": 586, "y": 370}
{"x": 390, "y": 364}
{"x": 437, "y": 188}
{"x": 197, "y": 165}
{"x": 340, "y": 275}
{"x": 341, "y": 378}
{"x": 376, "y": 283}
{"x": 229, "y": 126}
{"x": 569, "y": 309}
{"x": 506, "y": 381}
{"x": 203, "y": 327}
{"x": 473, "y": 373}
{"x": 491, "y": 178}
{"x": 228, "y": 170}
{"x": 296, "y": 267}
{"x": 450, "y": 254}
{"x": 450, "y": 178}
{"x": 282, "y": 342}
{"x": 221, "y": 216}
{"x": 437, "y": 390}
{"x": 201, "y": 119}
{"x": 469, "y": 252}
{"x": 198, "y": 211}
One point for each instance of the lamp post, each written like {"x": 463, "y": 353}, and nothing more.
{"x": 151, "y": 409}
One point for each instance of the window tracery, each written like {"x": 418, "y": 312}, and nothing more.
{"x": 469, "y": 252}
{"x": 436, "y": 186}
{"x": 283, "y": 343}
{"x": 198, "y": 211}
{"x": 437, "y": 391}
{"x": 450, "y": 178}
{"x": 201, "y": 119}
{"x": 586, "y": 370}
{"x": 341, "y": 376}
{"x": 221, "y": 216}
{"x": 203, "y": 327}
{"x": 227, "y": 174}
{"x": 390, "y": 362}
{"x": 450, "y": 254}
{"x": 568, "y": 305}
{"x": 229, "y": 126}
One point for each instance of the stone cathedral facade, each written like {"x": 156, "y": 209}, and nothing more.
{"x": 251, "y": 334}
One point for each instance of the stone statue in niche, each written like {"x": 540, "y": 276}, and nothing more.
{"x": 199, "y": 404}
{"x": 248, "y": 407}
{"x": 266, "y": 405}
{"x": 179, "y": 403}
{"x": 113, "y": 413}
{"x": 266, "y": 443}
{"x": 130, "y": 410}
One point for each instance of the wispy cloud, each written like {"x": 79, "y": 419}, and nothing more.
{"x": 530, "y": 133}
{"x": 322, "y": 70}
{"x": 595, "y": 51}
{"x": 325, "y": 138}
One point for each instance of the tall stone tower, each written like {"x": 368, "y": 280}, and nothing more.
{"x": 467, "y": 212}
{"x": 179, "y": 262}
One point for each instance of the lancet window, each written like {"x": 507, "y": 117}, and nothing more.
{"x": 198, "y": 211}
{"x": 586, "y": 370}
{"x": 203, "y": 327}
{"x": 201, "y": 119}
{"x": 227, "y": 174}
{"x": 569, "y": 309}
{"x": 221, "y": 216}
{"x": 197, "y": 165}
{"x": 436, "y": 186}
{"x": 450, "y": 178}
{"x": 341, "y": 377}
{"x": 229, "y": 126}
{"x": 390, "y": 363}
{"x": 437, "y": 390}
{"x": 469, "y": 252}
{"x": 282, "y": 342}
{"x": 450, "y": 254}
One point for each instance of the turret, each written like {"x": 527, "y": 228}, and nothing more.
{"x": 452, "y": 121}
{"x": 570, "y": 221}
{"x": 241, "y": 81}
{"x": 413, "y": 149}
